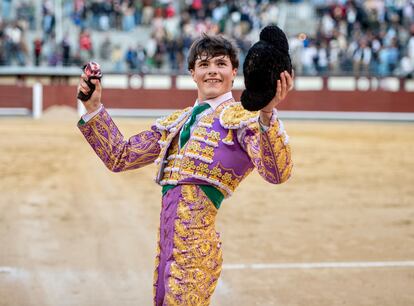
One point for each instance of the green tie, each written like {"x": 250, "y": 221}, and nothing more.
{"x": 185, "y": 133}
{"x": 212, "y": 192}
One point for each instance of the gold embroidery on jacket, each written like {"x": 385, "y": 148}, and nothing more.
{"x": 171, "y": 139}
{"x": 234, "y": 116}
{"x": 228, "y": 140}
{"x": 207, "y": 121}
{"x": 211, "y": 138}
{"x": 172, "y": 120}
{"x": 225, "y": 179}
{"x": 195, "y": 150}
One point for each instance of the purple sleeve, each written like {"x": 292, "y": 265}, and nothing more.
{"x": 269, "y": 150}
{"x": 116, "y": 153}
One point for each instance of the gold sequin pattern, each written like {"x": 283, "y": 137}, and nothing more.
{"x": 157, "y": 262}
{"x": 211, "y": 138}
{"x": 229, "y": 138}
{"x": 219, "y": 176}
{"x": 195, "y": 150}
{"x": 235, "y": 116}
{"x": 207, "y": 120}
{"x": 197, "y": 251}
{"x": 172, "y": 119}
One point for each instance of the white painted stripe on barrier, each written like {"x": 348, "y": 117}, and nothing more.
{"x": 363, "y": 84}
{"x": 321, "y": 265}
{"x": 374, "y": 84}
{"x": 185, "y": 82}
{"x": 342, "y": 83}
{"x": 15, "y": 111}
{"x": 30, "y": 81}
{"x": 157, "y": 82}
{"x": 308, "y": 83}
{"x": 376, "y": 116}
{"x": 238, "y": 83}
{"x": 409, "y": 85}
{"x": 37, "y": 103}
{"x": 135, "y": 81}
{"x": 74, "y": 81}
{"x": 390, "y": 84}
{"x": 5, "y": 80}
{"x": 115, "y": 81}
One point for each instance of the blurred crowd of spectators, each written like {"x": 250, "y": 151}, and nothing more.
{"x": 174, "y": 25}
{"x": 352, "y": 37}
{"x": 359, "y": 37}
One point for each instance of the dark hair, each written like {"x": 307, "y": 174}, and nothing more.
{"x": 210, "y": 46}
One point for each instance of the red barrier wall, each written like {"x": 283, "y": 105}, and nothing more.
{"x": 323, "y": 100}
{"x": 346, "y": 101}
{"x": 15, "y": 96}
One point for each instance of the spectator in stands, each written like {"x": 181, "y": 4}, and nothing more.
{"x": 174, "y": 47}
{"x": 116, "y": 15}
{"x": 66, "y": 49}
{"x": 334, "y": 56}
{"x": 79, "y": 14}
{"x": 15, "y": 46}
{"x": 116, "y": 58}
{"x": 407, "y": 68}
{"x": 104, "y": 18}
{"x": 25, "y": 12}
{"x": 385, "y": 26}
{"x": 147, "y": 12}
{"x": 393, "y": 55}
{"x": 2, "y": 44}
{"x": 327, "y": 24}
{"x": 105, "y": 50}
{"x": 128, "y": 12}
{"x": 131, "y": 58}
{"x": 85, "y": 45}
{"x": 410, "y": 45}
{"x": 96, "y": 11}
{"x": 138, "y": 12}
{"x": 296, "y": 47}
{"x": 37, "y": 50}
{"x": 321, "y": 60}
{"x": 6, "y": 10}
{"x": 141, "y": 59}
{"x": 309, "y": 57}
{"x": 243, "y": 44}
{"x": 351, "y": 17}
{"x": 5, "y": 45}
{"x": 53, "y": 56}
{"x": 48, "y": 22}
{"x": 160, "y": 52}
{"x": 361, "y": 58}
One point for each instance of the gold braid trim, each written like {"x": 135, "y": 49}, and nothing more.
{"x": 234, "y": 116}
{"x": 172, "y": 120}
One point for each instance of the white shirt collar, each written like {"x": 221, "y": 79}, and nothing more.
{"x": 214, "y": 103}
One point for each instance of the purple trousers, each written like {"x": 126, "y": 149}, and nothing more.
{"x": 189, "y": 258}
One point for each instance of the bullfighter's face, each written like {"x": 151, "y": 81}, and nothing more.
{"x": 213, "y": 76}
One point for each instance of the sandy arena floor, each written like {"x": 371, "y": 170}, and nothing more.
{"x": 72, "y": 233}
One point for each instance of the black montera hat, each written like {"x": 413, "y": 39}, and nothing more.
{"x": 264, "y": 62}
